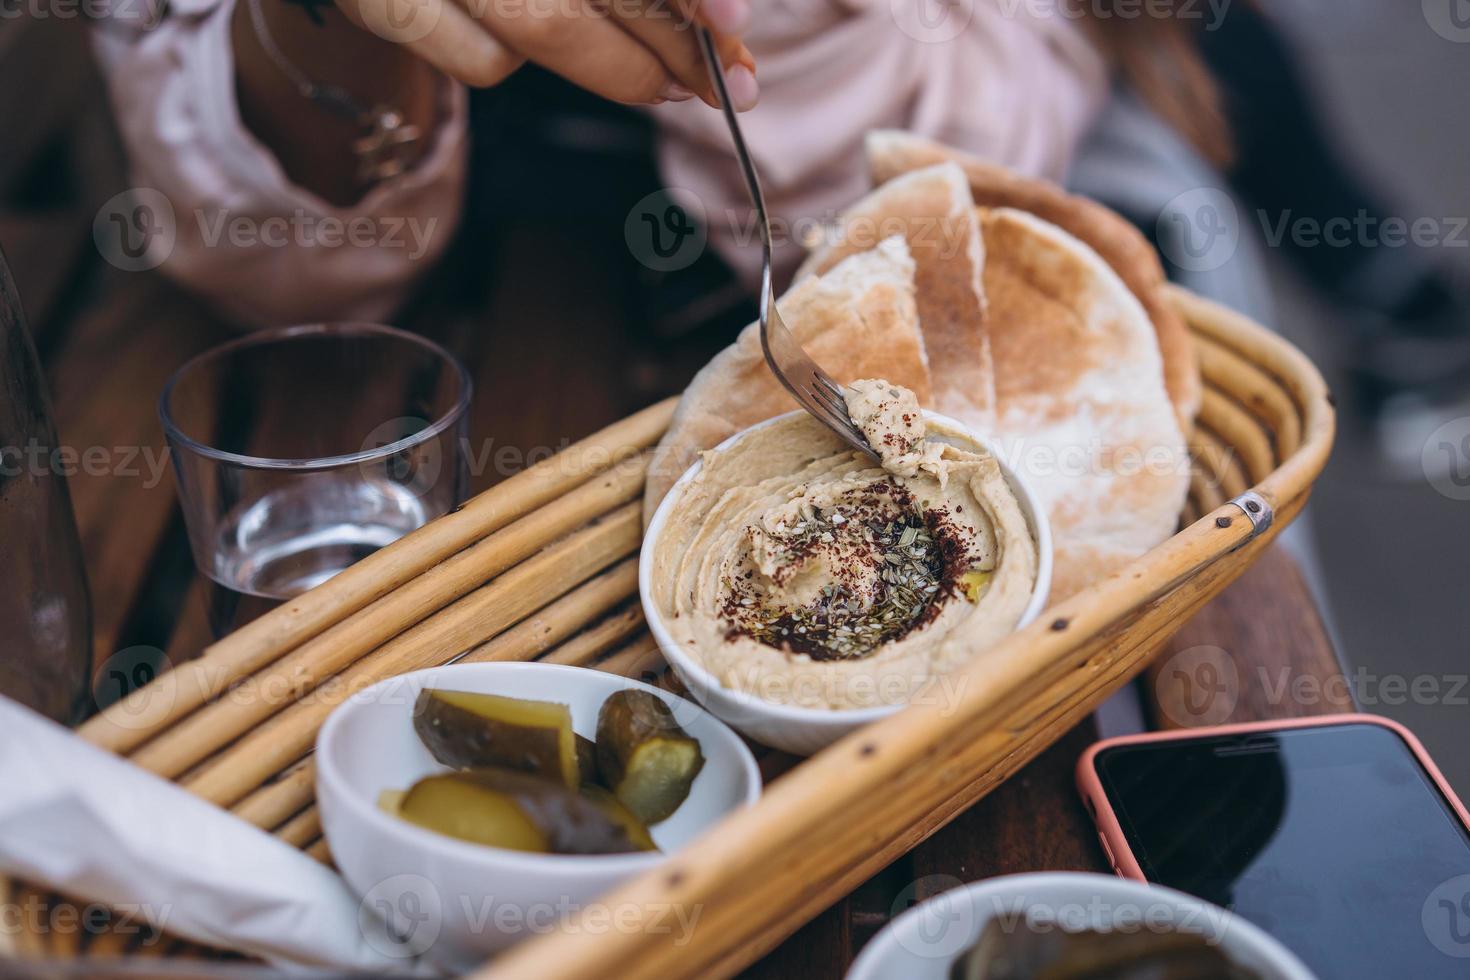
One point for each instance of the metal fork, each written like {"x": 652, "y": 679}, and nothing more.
{"x": 813, "y": 388}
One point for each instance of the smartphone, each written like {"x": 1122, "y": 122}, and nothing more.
{"x": 1337, "y": 835}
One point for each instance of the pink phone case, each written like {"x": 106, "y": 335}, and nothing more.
{"x": 1110, "y": 831}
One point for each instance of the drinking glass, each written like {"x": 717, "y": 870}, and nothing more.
{"x": 301, "y": 450}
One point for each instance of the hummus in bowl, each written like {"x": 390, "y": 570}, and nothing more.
{"x": 800, "y": 589}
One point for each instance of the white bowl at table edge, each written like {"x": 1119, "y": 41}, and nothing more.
{"x": 789, "y": 727}
{"x": 892, "y": 953}
{"x": 371, "y": 847}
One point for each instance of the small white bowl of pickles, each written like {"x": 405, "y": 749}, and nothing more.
{"x": 474, "y": 804}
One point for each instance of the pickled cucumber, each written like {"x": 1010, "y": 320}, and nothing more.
{"x": 620, "y": 815}
{"x": 643, "y": 756}
{"x": 587, "y": 760}
{"x": 514, "y": 810}
{"x": 465, "y": 730}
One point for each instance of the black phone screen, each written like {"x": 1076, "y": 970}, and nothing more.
{"x": 1334, "y": 839}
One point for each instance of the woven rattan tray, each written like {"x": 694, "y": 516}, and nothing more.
{"x": 543, "y": 566}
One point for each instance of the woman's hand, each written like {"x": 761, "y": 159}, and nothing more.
{"x": 392, "y": 51}
{"x": 629, "y": 51}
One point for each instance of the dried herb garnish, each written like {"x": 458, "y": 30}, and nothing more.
{"x": 839, "y": 624}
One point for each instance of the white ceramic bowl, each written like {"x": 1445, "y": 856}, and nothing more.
{"x": 921, "y": 943}
{"x": 455, "y": 901}
{"x": 789, "y": 727}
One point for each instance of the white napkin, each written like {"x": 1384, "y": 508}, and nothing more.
{"x": 78, "y": 819}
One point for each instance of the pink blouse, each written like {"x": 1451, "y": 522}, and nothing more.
{"x": 1013, "y": 81}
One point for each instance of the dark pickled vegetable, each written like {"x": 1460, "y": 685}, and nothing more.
{"x": 465, "y": 730}
{"x": 1008, "y": 952}
{"x": 636, "y": 830}
{"x": 643, "y": 756}
{"x": 514, "y": 810}
{"x": 587, "y": 760}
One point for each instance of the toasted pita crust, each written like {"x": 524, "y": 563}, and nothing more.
{"x": 857, "y": 321}
{"x": 933, "y": 210}
{"x": 892, "y": 153}
{"x": 1082, "y": 412}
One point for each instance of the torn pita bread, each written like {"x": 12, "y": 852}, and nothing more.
{"x": 1080, "y": 406}
{"x": 933, "y": 210}
{"x": 893, "y": 153}
{"x": 1082, "y": 412}
{"x": 857, "y": 321}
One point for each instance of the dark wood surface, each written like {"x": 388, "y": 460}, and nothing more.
{"x": 556, "y": 353}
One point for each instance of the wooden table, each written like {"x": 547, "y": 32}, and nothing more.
{"x": 553, "y": 361}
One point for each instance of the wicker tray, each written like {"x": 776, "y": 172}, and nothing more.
{"x": 543, "y": 566}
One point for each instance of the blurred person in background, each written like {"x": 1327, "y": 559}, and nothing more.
{"x": 262, "y": 108}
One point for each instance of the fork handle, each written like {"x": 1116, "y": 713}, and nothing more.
{"x": 716, "y": 70}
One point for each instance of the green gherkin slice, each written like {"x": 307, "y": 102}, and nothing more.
{"x": 643, "y": 756}
{"x": 513, "y": 810}
{"x": 466, "y": 730}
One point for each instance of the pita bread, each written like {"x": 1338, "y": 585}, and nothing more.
{"x": 893, "y": 153}
{"x": 858, "y": 321}
{"x": 933, "y": 210}
{"x": 1080, "y": 404}
{"x": 1082, "y": 412}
